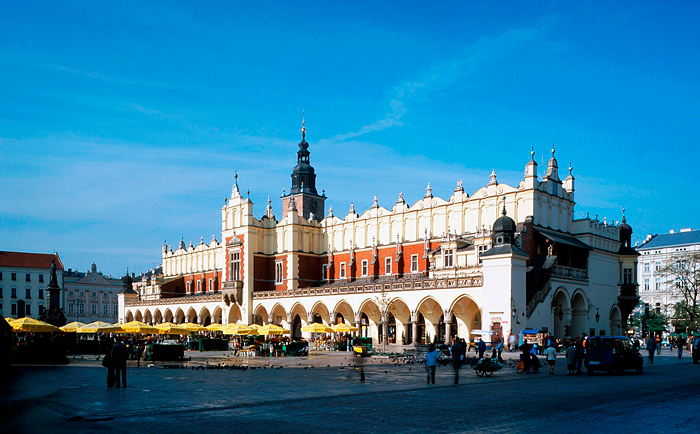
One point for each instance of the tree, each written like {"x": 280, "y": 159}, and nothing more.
{"x": 654, "y": 322}
{"x": 682, "y": 274}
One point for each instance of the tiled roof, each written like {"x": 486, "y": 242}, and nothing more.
{"x": 669, "y": 240}
{"x": 29, "y": 260}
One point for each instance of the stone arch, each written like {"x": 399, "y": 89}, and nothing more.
{"x": 579, "y": 313}
{"x": 138, "y": 316}
{"x": 343, "y": 310}
{"x": 168, "y": 316}
{"x": 129, "y": 316}
{"x": 465, "y": 311}
{"x": 191, "y": 315}
{"x": 398, "y": 329}
{"x": 278, "y": 315}
{"x": 218, "y": 315}
{"x": 298, "y": 318}
{"x": 157, "y": 317}
{"x": 234, "y": 314}
{"x": 561, "y": 311}
{"x": 179, "y": 316}
{"x": 369, "y": 319}
{"x": 148, "y": 317}
{"x": 320, "y": 309}
{"x": 616, "y": 321}
{"x": 204, "y": 316}
{"x": 431, "y": 311}
{"x": 299, "y": 309}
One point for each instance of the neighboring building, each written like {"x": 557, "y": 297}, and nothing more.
{"x": 90, "y": 296}
{"x": 658, "y": 294}
{"x": 502, "y": 258}
{"x": 23, "y": 281}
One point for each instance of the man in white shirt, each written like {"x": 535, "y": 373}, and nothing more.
{"x": 551, "y": 354}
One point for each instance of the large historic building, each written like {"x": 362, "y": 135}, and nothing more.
{"x": 502, "y": 258}
{"x": 656, "y": 291}
{"x": 90, "y": 296}
{"x": 23, "y": 281}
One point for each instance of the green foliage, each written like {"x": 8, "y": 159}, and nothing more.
{"x": 654, "y": 322}
{"x": 686, "y": 315}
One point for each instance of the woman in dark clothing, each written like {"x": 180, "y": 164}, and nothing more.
{"x": 107, "y": 363}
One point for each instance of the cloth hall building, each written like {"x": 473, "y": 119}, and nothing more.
{"x": 501, "y": 258}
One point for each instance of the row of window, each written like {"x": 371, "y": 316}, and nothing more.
{"x": 27, "y": 309}
{"x": 647, "y": 266}
{"x": 364, "y": 267}
{"x": 657, "y": 284}
{"x": 27, "y": 277}
{"x": 93, "y": 309}
{"x": 28, "y": 293}
{"x": 105, "y": 294}
{"x": 199, "y": 285}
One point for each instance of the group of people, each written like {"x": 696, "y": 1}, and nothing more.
{"x": 458, "y": 351}
{"x": 115, "y": 362}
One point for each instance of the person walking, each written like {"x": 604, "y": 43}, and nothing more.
{"x": 481, "y": 346}
{"x": 658, "y": 345}
{"x": 651, "y": 347}
{"x": 431, "y": 359}
{"x": 457, "y": 352}
{"x": 512, "y": 341}
{"x": 551, "y": 354}
{"x": 680, "y": 343}
{"x": 119, "y": 355}
{"x": 579, "y": 354}
{"x": 570, "y": 358}
{"x": 499, "y": 350}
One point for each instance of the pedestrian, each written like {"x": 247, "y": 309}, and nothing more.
{"x": 481, "y": 346}
{"x": 658, "y": 345}
{"x": 579, "y": 354}
{"x": 651, "y": 347}
{"x": 551, "y": 354}
{"x": 499, "y": 350}
{"x": 571, "y": 358}
{"x": 107, "y": 363}
{"x": 457, "y": 352}
{"x": 431, "y": 359}
{"x": 680, "y": 343}
{"x": 119, "y": 355}
{"x": 512, "y": 340}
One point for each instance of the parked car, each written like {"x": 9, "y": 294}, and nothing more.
{"x": 611, "y": 353}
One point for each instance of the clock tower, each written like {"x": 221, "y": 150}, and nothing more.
{"x": 303, "y": 197}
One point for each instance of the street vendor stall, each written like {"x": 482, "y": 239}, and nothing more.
{"x": 534, "y": 337}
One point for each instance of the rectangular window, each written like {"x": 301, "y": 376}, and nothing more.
{"x": 105, "y": 309}
{"x": 0, "y": 275}
{"x": 646, "y": 266}
{"x": 28, "y": 277}
{"x": 199, "y": 286}
{"x": 105, "y": 294}
{"x": 0, "y": 291}
{"x": 235, "y": 266}
{"x": 28, "y": 309}
{"x": 627, "y": 275}
{"x": 94, "y": 295}
{"x": 0, "y": 307}
{"x": 279, "y": 272}
{"x": 116, "y": 309}
{"x": 658, "y": 308}
{"x": 324, "y": 271}
{"x": 93, "y": 309}
{"x": 449, "y": 258}
{"x": 211, "y": 285}
{"x": 14, "y": 277}
{"x": 658, "y": 266}
{"x": 41, "y": 293}
{"x": 14, "y": 309}
{"x": 70, "y": 293}
{"x": 414, "y": 263}
{"x": 342, "y": 270}
{"x": 70, "y": 307}
{"x": 387, "y": 265}
{"x": 41, "y": 278}
{"x": 13, "y": 292}
{"x": 41, "y": 310}
{"x": 365, "y": 267}
{"x": 657, "y": 284}
{"x": 28, "y": 293}
{"x": 189, "y": 286}
{"x": 646, "y": 284}
{"x": 482, "y": 249}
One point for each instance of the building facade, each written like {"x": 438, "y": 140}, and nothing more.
{"x": 502, "y": 258}
{"x": 656, "y": 291}
{"x": 90, "y": 296}
{"x": 23, "y": 281}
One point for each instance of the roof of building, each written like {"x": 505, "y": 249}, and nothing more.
{"x": 29, "y": 260}
{"x": 560, "y": 237}
{"x": 668, "y": 240}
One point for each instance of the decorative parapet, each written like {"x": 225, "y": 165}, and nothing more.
{"x": 199, "y": 298}
{"x": 360, "y": 288}
{"x": 572, "y": 273}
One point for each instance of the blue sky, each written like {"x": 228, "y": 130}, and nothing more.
{"x": 122, "y": 124}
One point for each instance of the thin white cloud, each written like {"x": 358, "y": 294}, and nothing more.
{"x": 445, "y": 74}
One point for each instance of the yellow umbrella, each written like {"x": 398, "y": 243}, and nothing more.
{"x": 192, "y": 327}
{"x": 236, "y": 329}
{"x": 343, "y": 328}
{"x": 72, "y": 326}
{"x": 213, "y": 327}
{"x": 139, "y": 327}
{"x": 317, "y": 328}
{"x": 99, "y": 327}
{"x": 32, "y": 325}
{"x": 168, "y": 328}
{"x": 270, "y": 329}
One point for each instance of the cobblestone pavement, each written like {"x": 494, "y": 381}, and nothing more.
{"x": 322, "y": 393}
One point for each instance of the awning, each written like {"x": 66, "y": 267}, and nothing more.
{"x": 530, "y": 331}
{"x": 562, "y": 238}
